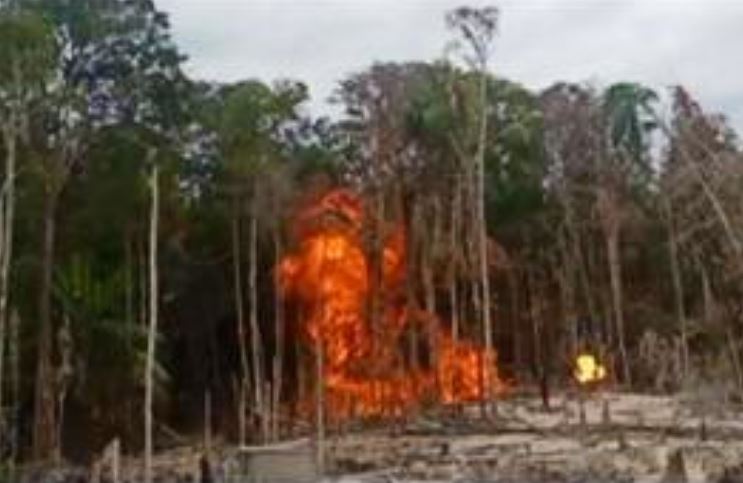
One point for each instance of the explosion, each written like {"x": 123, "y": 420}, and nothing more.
{"x": 588, "y": 370}
{"x": 329, "y": 276}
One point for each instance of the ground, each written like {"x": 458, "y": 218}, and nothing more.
{"x": 621, "y": 437}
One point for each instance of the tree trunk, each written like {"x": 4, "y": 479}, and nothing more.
{"x": 573, "y": 232}
{"x": 709, "y": 193}
{"x": 414, "y": 259}
{"x": 207, "y": 422}
{"x": 678, "y": 289}
{"x": 143, "y": 280}
{"x": 513, "y": 286}
{"x": 541, "y": 356}
{"x": 256, "y": 337}
{"x": 278, "y": 366}
{"x": 615, "y": 273}
{"x": 483, "y": 240}
{"x": 429, "y": 287}
{"x": 562, "y": 269}
{"x": 453, "y": 261}
{"x": 152, "y": 333}
{"x": 375, "y": 269}
{"x": 129, "y": 278}
{"x": 239, "y": 309}
{"x": 707, "y": 297}
{"x": 734, "y": 357}
{"x": 45, "y": 420}
{"x": 320, "y": 405}
{"x": 15, "y": 384}
{"x": 7, "y": 218}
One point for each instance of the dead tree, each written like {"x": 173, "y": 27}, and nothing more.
{"x": 152, "y": 332}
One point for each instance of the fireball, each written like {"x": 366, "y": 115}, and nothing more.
{"x": 588, "y": 370}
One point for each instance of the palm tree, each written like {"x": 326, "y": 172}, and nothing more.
{"x": 625, "y": 106}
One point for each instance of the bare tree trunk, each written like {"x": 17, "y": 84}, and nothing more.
{"x": 437, "y": 241}
{"x": 615, "y": 272}
{"x": 414, "y": 260}
{"x": 540, "y": 340}
{"x": 7, "y": 218}
{"x": 256, "y": 338}
{"x": 567, "y": 291}
{"x": 152, "y": 333}
{"x": 483, "y": 240}
{"x": 513, "y": 285}
{"x": 278, "y": 366}
{"x": 320, "y": 405}
{"x": 239, "y": 308}
{"x": 375, "y": 269}
{"x": 429, "y": 287}
{"x": 678, "y": 289}
{"x": 582, "y": 264}
{"x": 707, "y": 297}
{"x": 207, "y": 422}
{"x": 706, "y": 188}
{"x": 453, "y": 263}
{"x": 303, "y": 392}
{"x": 128, "y": 279}
{"x": 63, "y": 376}
{"x": 734, "y": 357}
{"x": 15, "y": 384}
{"x": 45, "y": 421}
{"x": 143, "y": 277}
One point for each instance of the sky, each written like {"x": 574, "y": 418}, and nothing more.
{"x": 696, "y": 43}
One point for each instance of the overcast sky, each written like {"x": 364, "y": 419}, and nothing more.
{"x": 697, "y": 43}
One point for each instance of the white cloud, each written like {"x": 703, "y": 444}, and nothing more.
{"x": 661, "y": 42}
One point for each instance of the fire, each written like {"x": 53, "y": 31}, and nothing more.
{"x": 329, "y": 276}
{"x": 588, "y": 370}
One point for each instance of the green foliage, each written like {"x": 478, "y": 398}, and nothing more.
{"x": 515, "y": 164}
{"x": 27, "y": 49}
{"x": 627, "y": 106}
{"x": 109, "y": 350}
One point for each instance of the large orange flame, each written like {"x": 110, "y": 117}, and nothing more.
{"x": 364, "y": 368}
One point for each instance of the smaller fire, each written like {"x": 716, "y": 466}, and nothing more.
{"x": 588, "y": 370}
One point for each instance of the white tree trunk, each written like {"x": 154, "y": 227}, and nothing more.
{"x": 256, "y": 338}
{"x": 453, "y": 257}
{"x": 483, "y": 241}
{"x": 152, "y": 333}
{"x": 241, "y": 339}
{"x": 15, "y": 384}
{"x": 7, "y": 216}
{"x": 615, "y": 273}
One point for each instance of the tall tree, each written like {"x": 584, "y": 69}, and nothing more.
{"x": 626, "y": 106}
{"x": 105, "y": 48}
{"x": 478, "y": 28}
{"x": 26, "y": 55}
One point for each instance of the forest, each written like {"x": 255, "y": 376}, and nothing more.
{"x": 185, "y": 260}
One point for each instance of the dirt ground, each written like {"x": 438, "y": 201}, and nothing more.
{"x": 619, "y": 437}
{"x": 601, "y": 436}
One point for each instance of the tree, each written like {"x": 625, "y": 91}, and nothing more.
{"x": 478, "y": 27}
{"x": 626, "y": 107}
{"x": 26, "y": 53}
{"x": 102, "y": 47}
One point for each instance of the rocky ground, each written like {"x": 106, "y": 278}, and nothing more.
{"x": 598, "y": 437}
